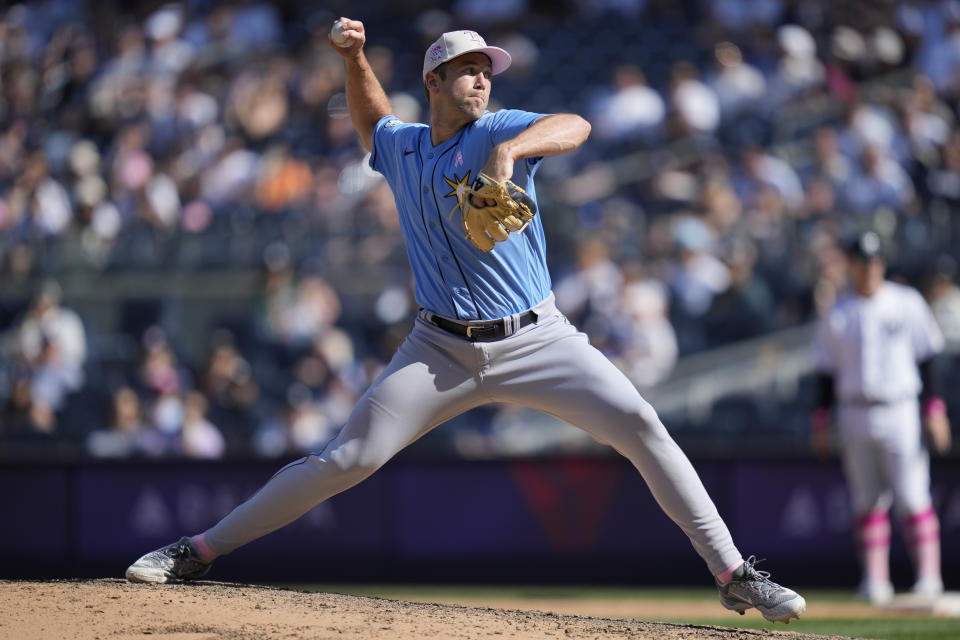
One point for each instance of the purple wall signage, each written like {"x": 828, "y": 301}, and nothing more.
{"x": 424, "y": 520}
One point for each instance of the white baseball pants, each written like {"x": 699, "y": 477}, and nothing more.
{"x": 884, "y": 459}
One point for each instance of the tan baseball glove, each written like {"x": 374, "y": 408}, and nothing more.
{"x": 485, "y": 226}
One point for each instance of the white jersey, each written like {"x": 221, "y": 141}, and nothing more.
{"x": 872, "y": 345}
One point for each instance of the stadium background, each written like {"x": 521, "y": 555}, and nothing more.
{"x": 199, "y": 275}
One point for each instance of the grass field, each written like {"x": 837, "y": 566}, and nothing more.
{"x": 828, "y": 611}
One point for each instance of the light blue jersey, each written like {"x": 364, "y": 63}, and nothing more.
{"x": 452, "y": 277}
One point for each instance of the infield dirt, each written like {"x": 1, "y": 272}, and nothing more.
{"x": 112, "y": 609}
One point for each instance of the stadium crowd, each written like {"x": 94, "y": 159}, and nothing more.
{"x": 734, "y": 142}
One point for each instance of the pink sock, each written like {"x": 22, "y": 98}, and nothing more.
{"x": 923, "y": 540}
{"x": 727, "y": 575}
{"x": 873, "y": 538}
{"x": 207, "y": 555}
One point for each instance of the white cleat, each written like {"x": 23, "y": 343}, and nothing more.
{"x": 879, "y": 593}
{"x": 754, "y": 589}
{"x": 928, "y": 588}
{"x": 172, "y": 563}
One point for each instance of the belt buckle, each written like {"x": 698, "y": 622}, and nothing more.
{"x": 475, "y": 327}
{"x": 476, "y": 332}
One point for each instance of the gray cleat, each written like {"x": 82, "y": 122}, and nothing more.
{"x": 177, "y": 561}
{"x": 752, "y": 588}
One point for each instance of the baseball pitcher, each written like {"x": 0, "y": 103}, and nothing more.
{"x": 488, "y": 330}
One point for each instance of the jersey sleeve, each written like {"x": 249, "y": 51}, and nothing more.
{"x": 509, "y": 123}
{"x": 389, "y": 135}
{"x": 925, "y": 334}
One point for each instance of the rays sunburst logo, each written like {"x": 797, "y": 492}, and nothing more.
{"x": 459, "y": 188}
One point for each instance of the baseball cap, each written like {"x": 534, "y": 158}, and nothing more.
{"x": 453, "y": 44}
{"x": 865, "y": 246}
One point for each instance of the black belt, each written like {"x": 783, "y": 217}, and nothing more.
{"x": 487, "y": 331}
{"x": 870, "y": 402}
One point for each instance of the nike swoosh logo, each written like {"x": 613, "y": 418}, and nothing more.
{"x": 407, "y": 152}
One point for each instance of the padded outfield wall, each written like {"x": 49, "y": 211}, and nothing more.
{"x": 569, "y": 520}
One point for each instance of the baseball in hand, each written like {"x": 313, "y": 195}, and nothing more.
{"x": 336, "y": 34}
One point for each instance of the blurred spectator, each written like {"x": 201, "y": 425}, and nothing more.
{"x": 258, "y": 101}
{"x": 159, "y": 371}
{"x": 524, "y": 52}
{"x": 821, "y": 200}
{"x": 881, "y": 182}
{"x": 258, "y": 25}
{"x": 763, "y": 170}
{"x": 943, "y": 178}
{"x": 50, "y": 340}
{"x": 295, "y": 314}
{"x": 799, "y": 69}
{"x": 23, "y": 420}
{"x": 117, "y": 93}
{"x": 943, "y": 294}
{"x": 738, "y": 84}
{"x": 696, "y": 275}
{"x": 299, "y": 427}
{"x": 127, "y": 434}
{"x": 166, "y": 412}
{"x": 829, "y": 163}
{"x": 200, "y": 437}
{"x": 231, "y": 177}
{"x": 722, "y": 208}
{"x": 629, "y": 109}
{"x": 695, "y": 105}
{"x": 38, "y": 202}
{"x": 589, "y": 296}
{"x": 650, "y": 343}
{"x": 169, "y": 54}
{"x": 283, "y": 182}
{"x": 746, "y": 309}
{"x": 940, "y": 49}
{"x": 928, "y": 119}
{"x": 164, "y": 381}
{"x": 872, "y": 125}
{"x": 228, "y": 383}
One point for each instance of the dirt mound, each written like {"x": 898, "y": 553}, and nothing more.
{"x": 117, "y": 610}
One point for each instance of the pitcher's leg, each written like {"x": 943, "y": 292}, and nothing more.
{"x": 571, "y": 380}
{"x": 406, "y": 401}
{"x": 553, "y": 368}
{"x": 633, "y": 428}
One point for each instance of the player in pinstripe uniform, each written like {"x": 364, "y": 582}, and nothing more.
{"x": 874, "y": 351}
{"x": 488, "y": 330}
